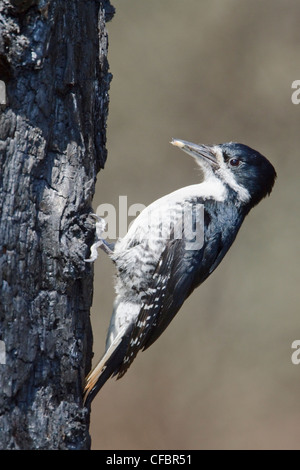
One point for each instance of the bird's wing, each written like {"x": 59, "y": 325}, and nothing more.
{"x": 177, "y": 274}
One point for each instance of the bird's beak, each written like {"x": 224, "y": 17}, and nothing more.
{"x": 203, "y": 152}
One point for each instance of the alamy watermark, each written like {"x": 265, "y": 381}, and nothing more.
{"x": 2, "y": 353}
{"x": 2, "y": 92}
{"x": 296, "y": 94}
{"x": 176, "y": 222}
{"x": 295, "y": 357}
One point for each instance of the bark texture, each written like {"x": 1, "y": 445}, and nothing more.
{"x": 53, "y": 64}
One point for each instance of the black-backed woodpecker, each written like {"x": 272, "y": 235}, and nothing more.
{"x": 173, "y": 246}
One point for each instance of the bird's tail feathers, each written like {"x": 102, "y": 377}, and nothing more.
{"x": 106, "y": 367}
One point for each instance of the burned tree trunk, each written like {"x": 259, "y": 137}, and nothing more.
{"x": 54, "y": 85}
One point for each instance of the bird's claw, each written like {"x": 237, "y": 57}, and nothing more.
{"x": 100, "y": 227}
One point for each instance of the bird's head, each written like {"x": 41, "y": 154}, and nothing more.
{"x": 243, "y": 169}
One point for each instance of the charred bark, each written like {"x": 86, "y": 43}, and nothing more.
{"x": 54, "y": 103}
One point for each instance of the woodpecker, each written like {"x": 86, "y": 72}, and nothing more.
{"x": 173, "y": 246}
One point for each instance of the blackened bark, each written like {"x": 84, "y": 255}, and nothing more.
{"x": 53, "y": 64}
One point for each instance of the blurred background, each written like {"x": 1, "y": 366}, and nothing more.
{"x": 221, "y": 376}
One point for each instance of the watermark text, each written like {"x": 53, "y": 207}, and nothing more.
{"x": 164, "y": 222}
{"x": 2, "y": 92}
{"x": 2, "y": 353}
{"x": 295, "y": 357}
{"x": 296, "y": 94}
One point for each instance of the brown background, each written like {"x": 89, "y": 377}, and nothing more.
{"x": 221, "y": 376}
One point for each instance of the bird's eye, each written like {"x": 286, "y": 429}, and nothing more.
{"x": 234, "y": 162}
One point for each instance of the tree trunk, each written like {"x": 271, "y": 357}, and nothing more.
{"x": 54, "y": 85}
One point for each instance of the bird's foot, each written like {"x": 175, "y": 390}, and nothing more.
{"x": 106, "y": 247}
